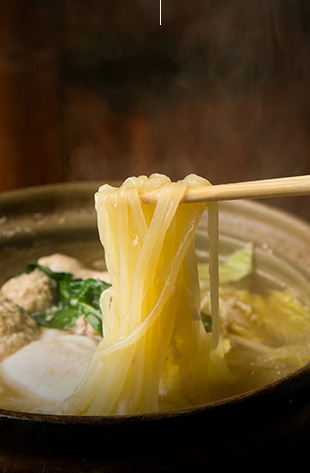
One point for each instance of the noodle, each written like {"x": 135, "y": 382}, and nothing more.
{"x": 154, "y": 344}
{"x": 214, "y": 270}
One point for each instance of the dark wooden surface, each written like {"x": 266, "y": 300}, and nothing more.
{"x": 99, "y": 90}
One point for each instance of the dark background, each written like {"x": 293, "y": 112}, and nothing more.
{"x": 98, "y": 90}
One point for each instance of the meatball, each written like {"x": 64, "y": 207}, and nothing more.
{"x": 34, "y": 292}
{"x": 17, "y": 328}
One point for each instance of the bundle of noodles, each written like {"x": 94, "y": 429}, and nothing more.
{"x": 154, "y": 345}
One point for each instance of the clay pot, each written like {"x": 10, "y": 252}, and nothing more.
{"x": 267, "y": 427}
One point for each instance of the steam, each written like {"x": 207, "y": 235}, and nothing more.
{"x": 221, "y": 89}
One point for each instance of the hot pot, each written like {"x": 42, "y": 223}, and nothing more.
{"x": 267, "y": 426}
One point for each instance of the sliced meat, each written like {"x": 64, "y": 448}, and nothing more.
{"x": 63, "y": 263}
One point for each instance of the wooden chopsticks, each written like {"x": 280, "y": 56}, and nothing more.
{"x": 267, "y": 188}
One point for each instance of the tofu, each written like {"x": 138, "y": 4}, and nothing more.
{"x": 49, "y": 368}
